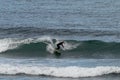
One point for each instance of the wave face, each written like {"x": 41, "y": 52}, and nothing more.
{"x": 71, "y": 71}
{"x": 44, "y": 47}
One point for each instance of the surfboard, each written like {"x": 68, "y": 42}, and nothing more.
{"x": 57, "y": 52}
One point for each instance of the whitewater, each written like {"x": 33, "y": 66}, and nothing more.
{"x": 65, "y": 72}
{"x": 58, "y": 68}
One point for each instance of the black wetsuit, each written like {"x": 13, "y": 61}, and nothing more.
{"x": 58, "y": 45}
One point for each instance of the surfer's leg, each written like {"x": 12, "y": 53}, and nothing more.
{"x": 58, "y": 46}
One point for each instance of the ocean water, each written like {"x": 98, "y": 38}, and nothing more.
{"x": 30, "y": 29}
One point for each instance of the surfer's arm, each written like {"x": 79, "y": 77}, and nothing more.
{"x": 62, "y": 46}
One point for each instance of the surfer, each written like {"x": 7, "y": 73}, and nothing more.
{"x": 57, "y": 52}
{"x": 60, "y": 44}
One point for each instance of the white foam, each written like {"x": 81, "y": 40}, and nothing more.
{"x": 8, "y": 43}
{"x": 50, "y": 48}
{"x": 73, "y": 71}
{"x": 11, "y": 43}
{"x": 70, "y": 46}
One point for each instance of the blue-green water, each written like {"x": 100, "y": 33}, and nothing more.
{"x": 29, "y": 30}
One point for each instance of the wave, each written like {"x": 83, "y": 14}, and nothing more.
{"x": 71, "y": 71}
{"x": 42, "y": 47}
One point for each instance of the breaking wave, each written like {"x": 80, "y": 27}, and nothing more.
{"x": 44, "y": 46}
{"x": 71, "y": 71}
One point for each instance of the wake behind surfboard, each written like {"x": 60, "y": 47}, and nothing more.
{"x": 55, "y": 48}
{"x": 51, "y": 47}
